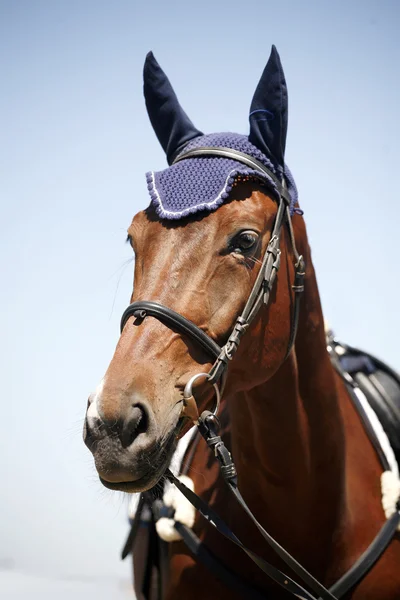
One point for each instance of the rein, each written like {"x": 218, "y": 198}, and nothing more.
{"x": 207, "y": 422}
{"x": 208, "y": 428}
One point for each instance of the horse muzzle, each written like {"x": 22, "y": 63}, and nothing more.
{"x": 128, "y": 451}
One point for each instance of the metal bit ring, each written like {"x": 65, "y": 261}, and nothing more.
{"x": 188, "y": 393}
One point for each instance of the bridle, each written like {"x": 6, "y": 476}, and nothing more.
{"x": 259, "y": 294}
{"x": 207, "y": 422}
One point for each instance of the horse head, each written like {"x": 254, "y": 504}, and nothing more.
{"x": 202, "y": 263}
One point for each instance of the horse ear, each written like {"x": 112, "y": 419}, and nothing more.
{"x": 171, "y": 124}
{"x": 269, "y": 112}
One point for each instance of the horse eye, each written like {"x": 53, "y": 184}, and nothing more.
{"x": 244, "y": 242}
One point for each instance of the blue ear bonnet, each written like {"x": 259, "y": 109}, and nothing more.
{"x": 203, "y": 183}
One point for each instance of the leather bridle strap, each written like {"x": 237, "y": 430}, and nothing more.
{"x": 260, "y": 294}
{"x": 270, "y": 265}
{"x": 134, "y": 528}
{"x": 174, "y": 320}
{"x": 367, "y": 560}
{"x": 226, "y": 575}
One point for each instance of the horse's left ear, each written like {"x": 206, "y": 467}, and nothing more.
{"x": 269, "y": 112}
{"x": 171, "y": 124}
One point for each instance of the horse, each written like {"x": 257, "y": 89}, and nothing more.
{"x": 303, "y": 459}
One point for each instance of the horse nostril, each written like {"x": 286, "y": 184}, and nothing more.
{"x": 136, "y": 422}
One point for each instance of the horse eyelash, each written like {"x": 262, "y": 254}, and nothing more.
{"x": 254, "y": 260}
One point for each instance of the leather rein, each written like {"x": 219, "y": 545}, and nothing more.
{"x": 207, "y": 422}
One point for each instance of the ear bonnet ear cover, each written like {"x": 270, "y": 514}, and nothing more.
{"x": 204, "y": 183}
{"x": 269, "y": 112}
{"x": 171, "y": 124}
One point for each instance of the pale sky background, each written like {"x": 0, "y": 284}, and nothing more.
{"x": 75, "y": 142}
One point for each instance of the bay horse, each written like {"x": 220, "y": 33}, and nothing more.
{"x": 303, "y": 460}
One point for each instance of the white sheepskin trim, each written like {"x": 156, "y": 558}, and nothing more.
{"x": 184, "y": 511}
{"x": 390, "y": 485}
{"x": 379, "y": 432}
{"x": 176, "y": 462}
{"x": 166, "y": 530}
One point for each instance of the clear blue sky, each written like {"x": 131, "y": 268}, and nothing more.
{"x": 75, "y": 142}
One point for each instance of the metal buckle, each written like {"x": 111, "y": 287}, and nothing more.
{"x": 298, "y": 285}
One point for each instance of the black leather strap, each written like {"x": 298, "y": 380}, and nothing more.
{"x": 297, "y": 568}
{"x": 368, "y": 558}
{"x": 298, "y": 288}
{"x": 212, "y": 517}
{"x": 215, "y": 566}
{"x": 130, "y": 540}
{"x": 144, "y": 308}
{"x": 240, "y": 157}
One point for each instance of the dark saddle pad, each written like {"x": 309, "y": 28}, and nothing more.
{"x": 381, "y": 386}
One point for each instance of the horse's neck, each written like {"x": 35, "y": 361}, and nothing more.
{"x": 288, "y": 441}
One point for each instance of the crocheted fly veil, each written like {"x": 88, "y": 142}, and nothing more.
{"x": 203, "y": 183}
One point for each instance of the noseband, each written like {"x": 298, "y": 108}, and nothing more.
{"x": 259, "y": 294}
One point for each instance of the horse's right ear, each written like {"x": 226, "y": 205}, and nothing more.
{"x": 171, "y": 124}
